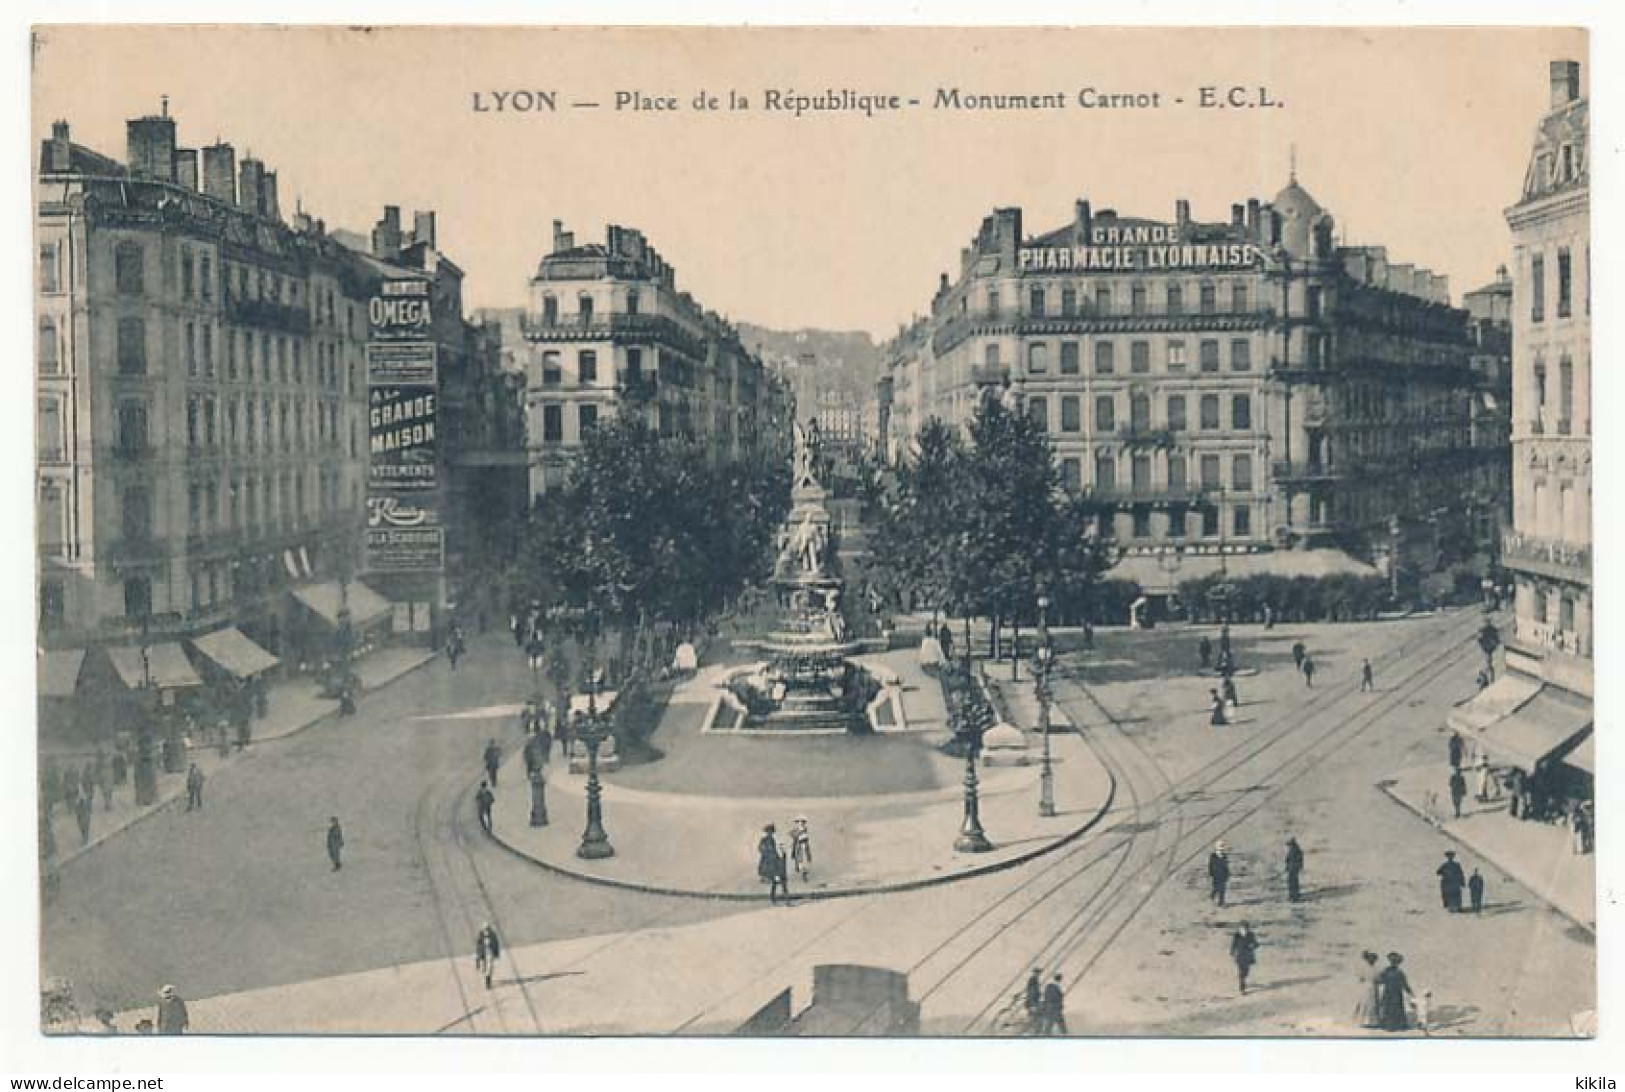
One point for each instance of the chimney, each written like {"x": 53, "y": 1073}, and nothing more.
{"x": 186, "y": 167}
{"x": 220, "y": 172}
{"x": 1565, "y": 83}
{"x": 251, "y": 185}
{"x": 1081, "y": 217}
{"x": 1252, "y": 217}
{"x": 942, "y": 284}
{"x": 558, "y": 236}
{"x": 269, "y": 208}
{"x": 1238, "y": 216}
{"x": 60, "y": 156}
{"x": 423, "y": 228}
{"x": 386, "y": 234}
{"x": 150, "y": 144}
{"x": 1182, "y": 215}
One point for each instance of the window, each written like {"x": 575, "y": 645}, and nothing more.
{"x": 1565, "y": 397}
{"x": 1540, "y": 395}
{"x": 1142, "y": 523}
{"x": 587, "y": 366}
{"x": 1242, "y": 520}
{"x": 208, "y": 351}
{"x": 1139, "y": 412}
{"x": 1072, "y": 474}
{"x": 1210, "y": 411}
{"x": 550, "y": 310}
{"x": 553, "y": 423}
{"x": 1312, "y": 349}
{"x": 1176, "y": 356}
{"x": 1208, "y": 354}
{"x": 1565, "y": 283}
{"x": 1176, "y": 299}
{"x": 1241, "y": 354}
{"x": 1210, "y": 521}
{"x": 137, "y": 596}
{"x": 186, "y": 274}
{"x": 50, "y": 272}
{"x": 132, "y": 427}
{"x": 282, "y": 359}
{"x": 50, "y": 430}
{"x": 1105, "y": 472}
{"x": 1071, "y": 413}
{"x": 634, "y": 365}
{"x": 632, "y": 301}
{"x": 1069, "y": 358}
{"x": 128, "y": 275}
{"x": 1035, "y": 301}
{"x": 191, "y": 350}
{"x": 192, "y": 422}
{"x": 1241, "y": 473}
{"x": 231, "y": 424}
{"x": 992, "y": 301}
{"x": 231, "y": 354}
{"x": 136, "y": 514}
{"x": 1241, "y": 412}
{"x": 1069, "y": 301}
{"x": 1103, "y": 299}
{"x": 1209, "y": 296}
{"x": 265, "y": 357}
{"x": 1537, "y": 288}
{"x": 132, "y": 346}
{"x": 1311, "y": 302}
{"x": 205, "y": 281}
{"x": 1176, "y": 472}
{"x": 990, "y": 355}
{"x": 208, "y": 422}
{"x": 1038, "y": 357}
{"x": 1542, "y": 615}
{"x": 1176, "y": 413}
{"x": 552, "y": 373}
{"x": 1105, "y": 413}
{"x": 298, "y": 362}
{"x": 1238, "y": 297}
{"x": 1140, "y": 473}
{"x": 50, "y": 359}
{"x": 1137, "y": 299}
{"x": 584, "y": 307}
{"x": 1139, "y": 357}
{"x": 1209, "y": 465}
{"x": 1105, "y": 358}
{"x": 589, "y": 418}
{"x": 1565, "y": 613}
{"x": 1038, "y": 412}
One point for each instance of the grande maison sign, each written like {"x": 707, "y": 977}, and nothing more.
{"x": 1135, "y": 248}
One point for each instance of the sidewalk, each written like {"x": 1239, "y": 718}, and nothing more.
{"x": 295, "y": 704}
{"x": 1538, "y": 855}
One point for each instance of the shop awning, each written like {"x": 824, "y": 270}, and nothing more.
{"x": 1492, "y": 703}
{"x": 328, "y": 599}
{"x": 167, "y": 662}
{"x": 235, "y": 652}
{"x": 1584, "y": 757}
{"x": 59, "y": 672}
{"x": 1548, "y": 722}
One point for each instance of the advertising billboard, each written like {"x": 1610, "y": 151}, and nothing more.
{"x": 401, "y": 437}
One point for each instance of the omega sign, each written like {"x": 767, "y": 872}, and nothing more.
{"x": 1135, "y": 248}
{"x": 400, "y": 310}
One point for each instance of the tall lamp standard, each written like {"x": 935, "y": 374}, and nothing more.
{"x": 972, "y": 838}
{"x": 595, "y": 728}
{"x": 1045, "y": 654}
{"x": 146, "y": 775}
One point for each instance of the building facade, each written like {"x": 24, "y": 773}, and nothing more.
{"x": 1237, "y": 387}
{"x": 609, "y": 332}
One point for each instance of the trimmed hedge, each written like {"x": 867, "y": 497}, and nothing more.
{"x": 1336, "y": 598}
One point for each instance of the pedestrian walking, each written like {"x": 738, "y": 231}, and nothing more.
{"x": 1053, "y": 1008}
{"x": 1269, "y": 616}
{"x": 1367, "y": 681}
{"x": 483, "y": 801}
{"x": 1299, "y": 654}
{"x": 1485, "y": 783}
{"x": 770, "y": 864}
{"x": 1218, "y": 871}
{"x": 1451, "y": 881}
{"x": 1393, "y": 993}
{"x": 1458, "y": 790}
{"x": 1294, "y": 869}
{"x": 1204, "y": 650}
{"x": 1228, "y": 689}
{"x": 1457, "y": 749}
{"x": 1244, "y": 950}
{"x": 493, "y": 761}
{"x": 1308, "y": 669}
{"x": 801, "y": 849}
{"x": 1366, "y": 998}
{"x": 1580, "y": 827}
{"x": 335, "y": 843}
{"x": 1475, "y": 891}
{"x": 1034, "y": 1001}
{"x": 1217, "y": 717}
{"x": 82, "y": 808}
{"x": 194, "y": 789}
{"x": 172, "y": 1015}
{"x": 487, "y": 950}
{"x": 454, "y": 647}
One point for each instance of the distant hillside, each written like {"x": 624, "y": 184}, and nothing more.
{"x": 818, "y": 361}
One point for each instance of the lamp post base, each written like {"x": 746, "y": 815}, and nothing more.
{"x": 595, "y": 849}
{"x": 538, "y": 802}
{"x": 972, "y": 841}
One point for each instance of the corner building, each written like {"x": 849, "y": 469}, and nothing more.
{"x": 1246, "y": 387}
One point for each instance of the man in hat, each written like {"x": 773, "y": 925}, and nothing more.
{"x": 1458, "y": 788}
{"x": 493, "y": 761}
{"x": 1457, "y": 750}
{"x": 335, "y": 843}
{"x": 1244, "y": 950}
{"x": 1451, "y": 880}
{"x": 172, "y": 1017}
{"x": 1052, "y": 1011}
{"x": 483, "y": 801}
{"x": 770, "y": 864}
{"x": 801, "y": 848}
{"x": 1294, "y": 869}
{"x": 194, "y": 789}
{"x": 1475, "y": 891}
{"x": 1218, "y": 870}
{"x": 1367, "y": 680}
{"x": 1033, "y": 999}
{"x": 487, "y": 950}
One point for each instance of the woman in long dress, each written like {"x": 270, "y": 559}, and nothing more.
{"x": 1393, "y": 1012}
{"x": 1365, "y": 1003}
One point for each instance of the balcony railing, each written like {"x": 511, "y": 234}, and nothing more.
{"x": 1284, "y": 471}
{"x": 263, "y": 313}
{"x": 1150, "y": 493}
{"x": 1545, "y": 557}
{"x": 1145, "y": 436}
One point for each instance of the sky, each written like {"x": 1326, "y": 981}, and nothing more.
{"x": 1416, "y": 139}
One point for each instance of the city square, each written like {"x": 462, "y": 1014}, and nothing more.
{"x": 1179, "y": 626}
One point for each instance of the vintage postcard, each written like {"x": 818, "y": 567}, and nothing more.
{"x": 814, "y": 531}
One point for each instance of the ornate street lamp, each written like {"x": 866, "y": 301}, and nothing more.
{"x": 146, "y": 776}
{"x": 536, "y": 749}
{"x": 1045, "y": 654}
{"x": 594, "y": 730}
{"x": 971, "y": 726}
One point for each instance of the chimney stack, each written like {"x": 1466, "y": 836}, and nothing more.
{"x": 1252, "y": 216}
{"x": 1182, "y": 215}
{"x": 150, "y": 144}
{"x": 423, "y": 228}
{"x": 1565, "y": 83}
{"x": 186, "y": 167}
{"x": 558, "y": 236}
{"x": 1082, "y": 216}
{"x": 251, "y": 185}
{"x": 220, "y": 172}
{"x": 270, "y": 208}
{"x": 1238, "y": 216}
{"x": 386, "y": 234}
{"x": 60, "y": 157}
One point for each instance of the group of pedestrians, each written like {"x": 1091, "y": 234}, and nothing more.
{"x": 1385, "y": 1000}
{"x": 1304, "y": 662}
{"x": 1453, "y": 880}
{"x": 774, "y": 859}
{"x": 1044, "y": 1004}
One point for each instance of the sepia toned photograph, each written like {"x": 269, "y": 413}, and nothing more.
{"x": 813, "y": 532}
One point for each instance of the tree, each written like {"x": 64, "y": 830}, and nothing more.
{"x": 920, "y": 519}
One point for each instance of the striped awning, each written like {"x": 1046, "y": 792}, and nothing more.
{"x": 234, "y": 651}
{"x": 329, "y": 599}
{"x": 167, "y": 663}
{"x": 59, "y": 672}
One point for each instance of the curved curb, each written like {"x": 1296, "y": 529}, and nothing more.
{"x": 837, "y": 893}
